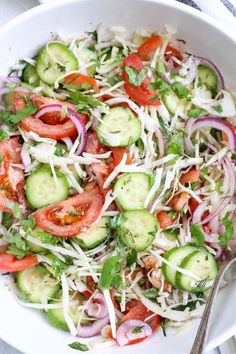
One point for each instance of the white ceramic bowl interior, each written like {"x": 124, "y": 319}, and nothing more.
{"x": 27, "y": 329}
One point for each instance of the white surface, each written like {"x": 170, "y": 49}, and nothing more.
{"x": 32, "y": 333}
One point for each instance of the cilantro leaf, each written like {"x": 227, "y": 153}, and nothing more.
{"x": 151, "y": 293}
{"x": 110, "y": 273}
{"x": 131, "y": 258}
{"x": 58, "y": 266}
{"x": 3, "y": 134}
{"x": 117, "y": 221}
{"x": 11, "y": 118}
{"x": 180, "y": 90}
{"x": 228, "y": 232}
{"x": 197, "y": 234}
{"x": 60, "y": 150}
{"x": 7, "y": 220}
{"x": 160, "y": 85}
{"x": 79, "y": 346}
{"x": 218, "y": 109}
{"x": 28, "y": 224}
{"x": 17, "y": 246}
{"x": 135, "y": 77}
{"x": 176, "y": 144}
{"x": 84, "y": 102}
{"x": 196, "y": 112}
{"x": 45, "y": 237}
{"x": 15, "y": 208}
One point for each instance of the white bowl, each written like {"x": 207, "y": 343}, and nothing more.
{"x": 26, "y": 329}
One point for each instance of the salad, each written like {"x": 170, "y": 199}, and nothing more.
{"x": 117, "y": 181}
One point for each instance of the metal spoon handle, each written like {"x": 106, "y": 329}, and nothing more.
{"x": 202, "y": 333}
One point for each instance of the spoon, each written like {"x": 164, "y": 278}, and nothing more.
{"x": 203, "y": 330}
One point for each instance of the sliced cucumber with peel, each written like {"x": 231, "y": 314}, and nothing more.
{"x": 88, "y": 56}
{"x": 119, "y": 127}
{"x": 134, "y": 189}
{"x": 175, "y": 256}
{"x": 37, "y": 284}
{"x": 95, "y": 235}
{"x": 42, "y": 190}
{"x": 173, "y": 102}
{"x": 207, "y": 77}
{"x": 30, "y": 75}
{"x": 55, "y": 60}
{"x": 56, "y": 316}
{"x": 204, "y": 265}
{"x": 137, "y": 229}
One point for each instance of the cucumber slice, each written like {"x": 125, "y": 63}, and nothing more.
{"x": 42, "y": 190}
{"x": 208, "y": 77}
{"x": 55, "y": 60}
{"x": 88, "y": 56}
{"x": 119, "y": 127}
{"x": 175, "y": 256}
{"x": 138, "y": 229}
{"x": 135, "y": 188}
{"x": 56, "y": 316}
{"x": 171, "y": 235}
{"x": 37, "y": 284}
{"x": 30, "y": 75}
{"x": 201, "y": 263}
{"x": 94, "y": 236}
{"x": 172, "y": 102}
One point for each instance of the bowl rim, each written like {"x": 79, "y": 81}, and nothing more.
{"x": 187, "y": 9}
{"x": 172, "y": 4}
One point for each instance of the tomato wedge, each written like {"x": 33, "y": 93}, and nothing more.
{"x": 9, "y": 263}
{"x": 11, "y": 177}
{"x": 147, "y": 48}
{"x": 44, "y": 127}
{"x": 172, "y": 52}
{"x": 117, "y": 155}
{"x": 68, "y": 218}
{"x": 137, "y": 311}
{"x": 141, "y": 94}
{"x": 80, "y": 79}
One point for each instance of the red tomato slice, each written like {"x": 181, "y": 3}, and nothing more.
{"x": 141, "y": 94}
{"x": 68, "y": 218}
{"x": 147, "y": 48}
{"x": 117, "y": 155}
{"x": 11, "y": 177}
{"x": 137, "y": 311}
{"x": 9, "y": 263}
{"x": 80, "y": 79}
{"x": 44, "y": 128}
{"x": 172, "y": 52}
{"x": 93, "y": 144}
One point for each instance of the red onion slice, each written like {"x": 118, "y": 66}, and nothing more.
{"x": 75, "y": 118}
{"x": 210, "y": 122}
{"x": 9, "y": 79}
{"x": 25, "y": 156}
{"x": 212, "y": 66}
{"x": 131, "y": 330}
{"x": 97, "y": 308}
{"x": 93, "y": 329}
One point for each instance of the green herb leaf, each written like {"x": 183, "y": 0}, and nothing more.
{"x": 195, "y": 112}
{"x": 201, "y": 284}
{"x": 197, "y": 234}
{"x": 218, "y": 109}
{"x": 135, "y": 77}
{"x": 180, "y": 90}
{"x": 164, "y": 325}
{"x": 45, "y": 237}
{"x": 110, "y": 270}
{"x": 7, "y": 220}
{"x": 131, "y": 258}
{"x": 160, "y": 85}
{"x": 172, "y": 214}
{"x": 60, "y": 150}
{"x": 79, "y": 346}
{"x": 58, "y": 266}
{"x": 117, "y": 221}
{"x": 15, "y": 208}
{"x": 176, "y": 144}
{"x": 228, "y": 232}
{"x": 3, "y": 134}
{"x": 93, "y": 35}
{"x": 151, "y": 293}
{"x": 191, "y": 305}
{"x": 11, "y": 118}
{"x": 1, "y": 158}
{"x": 28, "y": 224}
{"x": 84, "y": 102}
{"x": 17, "y": 246}
{"x": 137, "y": 330}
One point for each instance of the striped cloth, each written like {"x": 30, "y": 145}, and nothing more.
{"x": 223, "y": 11}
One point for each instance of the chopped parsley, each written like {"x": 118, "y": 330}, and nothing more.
{"x": 135, "y": 77}
{"x": 228, "y": 231}
{"x": 84, "y": 102}
{"x": 15, "y": 208}
{"x": 197, "y": 234}
{"x": 196, "y": 112}
{"x": 17, "y": 246}
{"x": 176, "y": 144}
{"x": 79, "y": 346}
{"x": 180, "y": 90}
{"x": 218, "y": 109}
{"x": 151, "y": 293}
{"x": 15, "y": 118}
{"x": 3, "y": 134}
{"x": 110, "y": 275}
